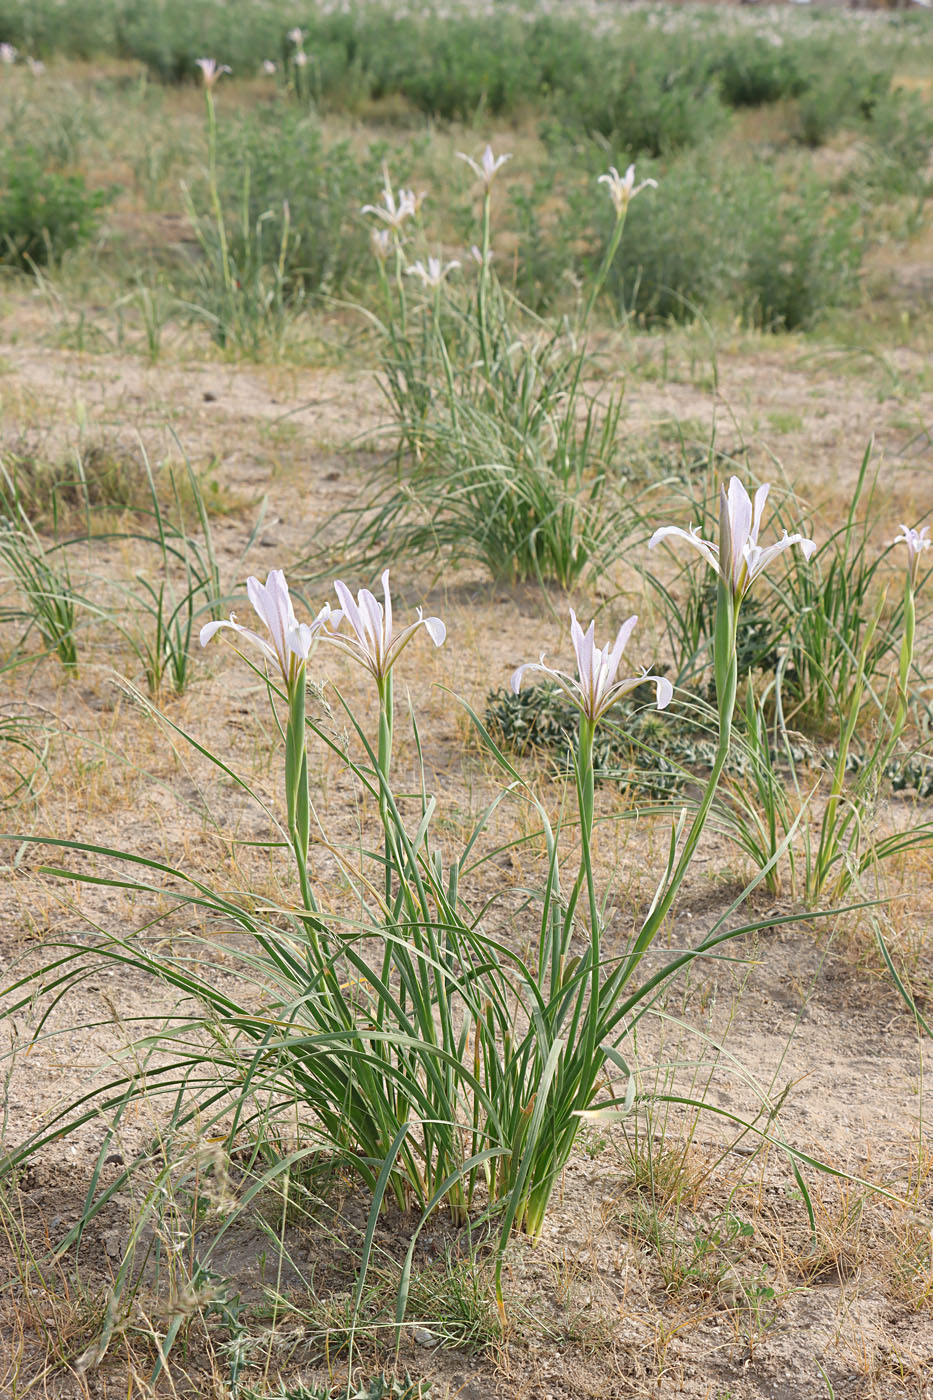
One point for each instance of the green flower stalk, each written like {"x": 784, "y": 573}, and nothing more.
{"x": 622, "y": 190}
{"x": 485, "y": 169}
{"x": 374, "y": 643}
{"x": 286, "y": 650}
{"x": 211, "y": 72}
{"x": 594, "y": 690}
{"x": 738, "y": 560}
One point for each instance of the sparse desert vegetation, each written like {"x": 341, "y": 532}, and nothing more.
{"x": 464, "y": 743}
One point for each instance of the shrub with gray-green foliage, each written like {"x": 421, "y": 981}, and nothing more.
{"x": 292, "y": 196}
{"x": 43, "y": 212}
{"x": 802, "y": 257}
{"x": 757, "y": 69}
{"x": 840, "y": 96}
{"x": 713, "y": 236}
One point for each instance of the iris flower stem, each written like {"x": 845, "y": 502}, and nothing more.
{"x": 384, "y": 759}
{"x": 482, "y": 295}
{"x": 726, "y": 674}
{"x": 445, "y": 360}
{"x": 298, "y": 803}
{"x": 586, "y": 781}
{"x": 602, "y": 274}
{"x": 213, "y": 188}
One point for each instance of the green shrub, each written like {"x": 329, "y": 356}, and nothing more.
{"x": 44, "y": 213}
{"x": 736, "y": 238}
{"x": 753, "y": 71}
{"x": 293, "y": 200}
{"x": 801, "y": 258}
{"x": 896, "y": 157}
{"x": 650, "y": 101}
{"x": 838, "y": 96}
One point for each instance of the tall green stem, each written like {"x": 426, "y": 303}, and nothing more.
{"x": 298, "y": 802}
{"x": 586, "y": 780}
{"x": 608, "y": 259}
{"x": 726, "y": 674}
{"x": 384, "y": 759}
{"x": 214, "y": 191}
{"x": 483, "y": 288}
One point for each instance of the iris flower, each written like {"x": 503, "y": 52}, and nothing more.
{"x": 622, "y": 188}
{"x": 738, "y": 558}
{"x": 487, "y": 168}
{"x": 392, "y": 211}
{"x": 380, "y": 240}
{"x": 374, "y": 642}
{"x": 432, "y": 275}
{"x": 595, "y": 689}
{"x": 273, "y": 606}
{"x": 916, "y": 541}
{"x": 210, "y": 71}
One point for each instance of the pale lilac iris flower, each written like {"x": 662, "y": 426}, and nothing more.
{"x": 273, "y": 605}
{"x": 392, "y": 211}
{"x": 380, "y": 240}
{"x": 622, "y": 188}
{"x": 738, "y": 558}
{"x": 916, "y": 541}
{"x": 372, "y": 639}
{"x": 210, "y": 72}
{"x": 596, "y": 686}
{"x": 487, "y": 168}
{"x": 433, "y": 274}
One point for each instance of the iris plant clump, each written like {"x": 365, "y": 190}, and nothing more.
{"x": 414, "y": 1042}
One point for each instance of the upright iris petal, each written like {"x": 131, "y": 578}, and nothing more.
{"x": 394, "y": 211}
{"x": 210, "y": 71}
{"x": 434, "y": 273}
{"x": 622, "y": 188}
{"x": 595, "y": 688}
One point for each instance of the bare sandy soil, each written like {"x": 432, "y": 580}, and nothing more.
{"x": 724, "y": 1292}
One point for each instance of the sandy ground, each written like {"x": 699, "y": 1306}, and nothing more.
{"x": 806, "y": 1009}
